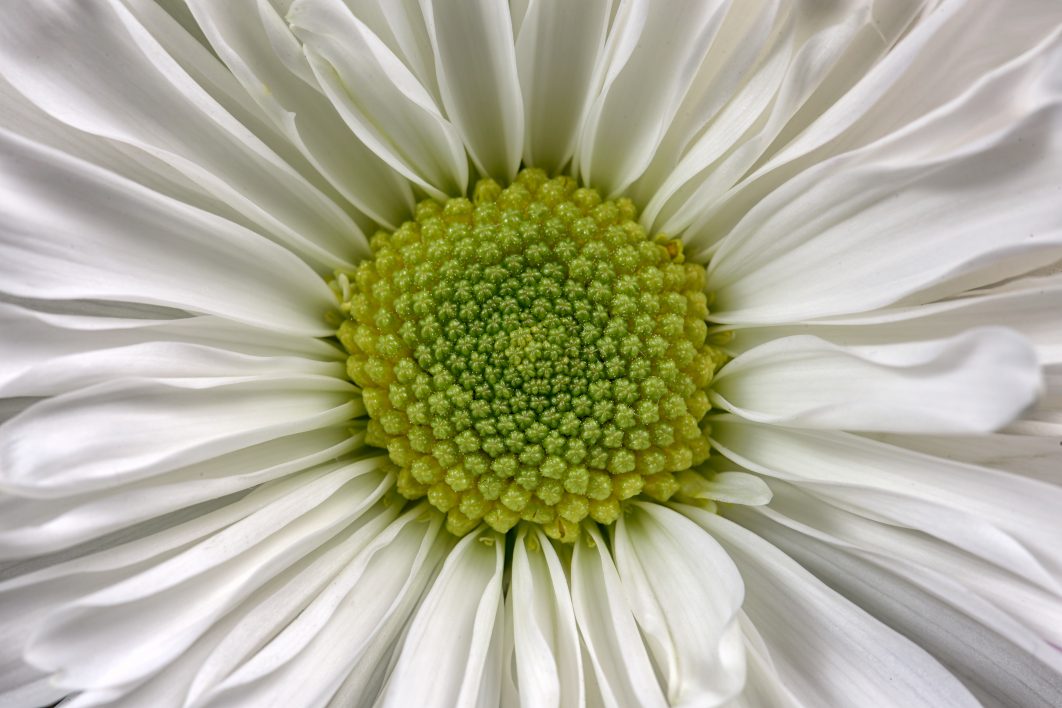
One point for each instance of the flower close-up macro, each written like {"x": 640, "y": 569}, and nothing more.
{"x": 531, "y": 353}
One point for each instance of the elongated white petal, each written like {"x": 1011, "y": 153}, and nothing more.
{"x": 455, "y": 635}
{"x": 827, "y": 650}
{"x": 622, "y": 671}
{"x": 1036, "y": 457}
{"x": 366, "y": 597}
{"x": 557, "y": 48}
{"x": 925, "y": 212}
{"x": 1028, "y": 305}
{"x": 763, "y": 685}
{"x": 1023, "y": 613}
{"x": 379, "y": 98}
{"x": 1006, "y": 519}
{"x": 155, "y": 360}
{"x": 686, "y": 603}
{"x": 649, "y": 62}
{"x": 475, "y": 59}
{"x": 258, "y": 47}
{"x": 37, "y": 338}
{"x": 158, "y": 108}
{"x": 401, "y": 25}
{"x": 790, "y": 63}
{"x": 736, "y": 488}
{"x": 90, "y": 641}
{"x": 939, "y": 56}
{"x": 994, "y": 668}
{"x": 36, "y": 526}
{"x": 130, "y": 429}
{"x": 72, "y": 231}
{"x": 975, "y": 382}
{"x": 548, "y": 658}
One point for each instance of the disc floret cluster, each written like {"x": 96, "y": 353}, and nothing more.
{"x": 530, "y": 354}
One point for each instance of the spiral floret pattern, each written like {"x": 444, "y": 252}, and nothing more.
{"x": 530, "y": 354}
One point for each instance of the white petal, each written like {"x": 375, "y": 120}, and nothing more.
{"x": 364, "y": 599}
{"x": 739, "y": 70}
{"x": 154, "y": 360}
{"x": 940, "y": 55}
{"x": 476, "y": 63}
{"x": 649, "y": 62}
{"x": 807, "y": 59}
{"x": 1036, "y": 457}
{"x": 160, "y": 109}
{"x": 827, "y": 650}
{"x": 736, "y": 488}
{"x": 1025, "y": 615}
{"x": 22, "y": 117}
{"x": 548, "y": 658}
{"x": 1008, "y": 520}
{"x": 1029, "y": 305}
{"x": 454, "y": 636}
{"x": 402, "y": 26}
{"x": 38, "y": 526}
{"x": 73, "y": 231}
{"x": 40, "y": 692}
{"x": 763, "y": 687}
{"x": 266, "y": 610}
{"x": 36, "y": 338}
{"x": 379, "y": 98}
{"x": 91, "y": 641}
{"x": 624, "y": 675}
{"x": 975, "y": 382}
{"x": 685, "y": 593}
{"x": 557, "y": 47}
{"x": 130, "y": 429}
{"x": 34, "y": 588}
{"x": 930, "y": 210}
{"x": 994, "y": 668}
{"x": 257, "y": 46}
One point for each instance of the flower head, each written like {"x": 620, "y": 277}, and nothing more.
{"x": 531, "y": 353}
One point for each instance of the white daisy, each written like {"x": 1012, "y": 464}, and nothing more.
{"x": 376, "y": 352}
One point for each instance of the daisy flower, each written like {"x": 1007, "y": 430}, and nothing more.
{"x": 541, "y": 353}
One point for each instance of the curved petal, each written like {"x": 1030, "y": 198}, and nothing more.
{"x": 940, "y": 55}
{"x": 649, "y": 62}
{"x": 685, "y": 593}
{"x": 776, "y": 67}
{"x": 557, "y": 48}
{"x": 37, "y": 526}
{"x": 930, "y": 210}
{"x": 1024, "y": 614}
{"x": 258, "y": 47}
{"x": 379, "y": 98}
{"x": 1008, "y": 520}
{"x": 455, "y": 634}
{"x": 475, "y": 59}
{"x": 130, "y": 429}
{"x": 548, "y": 657}
{"x": 36, "y": 338}
{"x": 158, "y": 108}
{"x": 72, "y": 230}
{"x": 91, "y": 641}
{"x": 828, "y": 651}
{"x": 1028, "y": 305}
{"x": 995, "y": 668}
{"x": 361, "y": 603}
{"x": 154, "y": 360}
{"x": 622, "y": 670}
{"x": 975, "y": 382}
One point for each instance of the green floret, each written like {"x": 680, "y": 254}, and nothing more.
{"x": 530, "y": 354}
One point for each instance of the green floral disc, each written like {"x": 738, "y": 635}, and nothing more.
{"x": 530, "y": 354}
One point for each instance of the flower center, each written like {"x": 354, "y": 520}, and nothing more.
{"x": 530, "y": 354}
